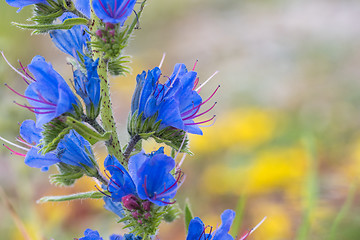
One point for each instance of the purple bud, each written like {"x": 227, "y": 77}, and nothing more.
{"x": 140, "y": 221}
{"x": 104, "y": 39}
{"x": 146, "y": 205}
{"x": 147, "y": 215}
{"x": 99, "y": 33}
{"x": 112, "y": 32}
{"x": 130, "y": 202}
{"x": 135, "y": 215}
{"x": 109, "y": 26}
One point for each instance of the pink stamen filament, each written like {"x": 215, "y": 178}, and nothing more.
{"x": 32, "y": 99}
{"x": 197, "y": 123}
{"x": 195, "y": 64}
{"x": 36, "y": 108}
{"x": 102, "y": 192}
{"x": 172, "y": 186}
{"x": 19, "y": 139}
{"x": 16, "y": 153}
{"x": 196, "y": 83}
{"x": 26, "y": 73}
{"x": 200, "y": 114}
{"x": 198, "y": 106}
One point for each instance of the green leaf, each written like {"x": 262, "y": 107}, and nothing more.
{"x": 188, "y": 214}
{"x": 89, "y": 134}
{"x": 85, "y": 195}
{"x": 41, "y": 28}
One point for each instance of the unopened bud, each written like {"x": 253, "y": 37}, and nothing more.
{"x": 147, "y": 205}
{"x": 130, "y": 202}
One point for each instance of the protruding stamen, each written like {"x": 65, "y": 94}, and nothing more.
{"x": 14, "y": 152}
{"x": 196, "y": 83}
{"x": 253, "y": 229}
{"x": 200, "y": 114}
{"x": 13, "y": 144}
{"x": 181, "y": 161}
{"x": 203, "y": 84}
{"x": 197, "y": 123}
{"x": 17, "y": 71}
{"x": 32, "y": 99}
{"x": 195, "y": 64}
{"x": 33, "y": 108}
{"x": 103, "y": 192}
{"x": 198, "y": 106}
{"x": 162, "y": 60}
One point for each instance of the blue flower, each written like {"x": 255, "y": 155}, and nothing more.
{"x": 72, "y": 41}
{"x": 83, "y": 6}
{"x": 74, "y": 150}
{"x": 94, "y": 235}
{"x": 113, "y": 11}
{"x": 23, "y": 3}
{"x": 149, "y": 178}
{"x": 91, "y": 235}
{"x": 88, "y": 87}
{"x": 31, "y": 136}
{"x": 114, "y": 207}
{"x": 197, "y": 228}
{"x": 176, "y": 102}
{"x": 48, "y": 93}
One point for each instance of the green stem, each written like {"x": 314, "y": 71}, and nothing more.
{"x": 106, "y": 113}
{"x": 94, "y": 124}
{"x": 130, "y": 147}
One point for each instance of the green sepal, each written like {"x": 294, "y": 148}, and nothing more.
{"x": 172, "y": 213}
{"x": 42, "y": 28}
{"x": 68, "y": 175}
{"x": 174, "y": 138}
{"x": 52, "y": 133}
{"x": 188, "y": 215}
{"x": 90, "y": 135}
{"x": 48, "y": 18}
{"x": 53, "y": 144}
{"x": 84, "y": 195}
{"x": 143, "y": 127}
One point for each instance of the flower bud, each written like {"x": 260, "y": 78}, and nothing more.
{"x": 130, "y": 202}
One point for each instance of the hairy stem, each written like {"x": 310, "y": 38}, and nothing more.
{"x": 133, "y": 141}
{"x": 106, "y": 113}
{"x": 94, "y": 124}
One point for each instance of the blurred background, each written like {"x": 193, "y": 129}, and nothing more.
{"x": 286, "y": 143}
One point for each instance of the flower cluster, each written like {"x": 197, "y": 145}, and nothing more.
{"x": 140, "y": 187}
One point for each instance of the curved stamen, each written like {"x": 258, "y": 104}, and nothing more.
{"x": 32, "y": 99}
{"x": 190, "y": 111}
{"x": 122, "y": 10}
{"x": 197, "y": 123}
{"x": 16, "y": 153}
{"x": 200, "y": 114}
{"x": 15, "y": 145}
{"x": 17, "y": 71}
{"x": 35, "y": 108}
{"x": 195, "y": 83}
{"x": 19, "y": 139}
{"x": 26, "y": 73}
{"x": 195, "y": 64}
{"x": 103, "y": 192}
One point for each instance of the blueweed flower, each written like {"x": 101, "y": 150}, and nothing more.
{"x": 23, "y": 3}
{"x": 72, "y": 41}
{"x": 83, "y": 6}
{"x": 94, "y": 235}
{"x": 197, "y": 229}
{"x": 88, "y": 86}
{"x": 149, "y": 178}
{"x": 176, "y": 102}
{"x": 48, "y": 93}
{"x": 75, "y": 150}
{"x": 30, "y": 137}
{"x": 113, "y": 11}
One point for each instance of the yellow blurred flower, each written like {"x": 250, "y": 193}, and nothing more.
{"x": 277, "y": 168}
{"x": 247, "y": 128}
